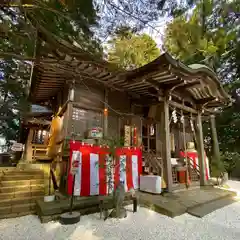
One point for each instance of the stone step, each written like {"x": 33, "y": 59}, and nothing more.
{"x": 21, "y": 188}
{"x": 14, "y": 215}
{"x": 20, "y": 200}
{"x": 18, "y": 208}
{"x": 20, "y": 194}
{"x": 21, "y": 182}
{"x": 10, "y": 177}
{"x": 207, "y": 208}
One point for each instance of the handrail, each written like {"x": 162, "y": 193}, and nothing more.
{"x": 36, "y": 148}
{"x": 192, "y": 165}
{"x": 154, "y": 161}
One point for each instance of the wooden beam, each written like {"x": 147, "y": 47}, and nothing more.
{"x": 205, "y": 100}
{"x": 173, "y": 84}
{"x": 140, "y": 76}
{"x": 182, "y": 107}
{"x": 189, "y": 85}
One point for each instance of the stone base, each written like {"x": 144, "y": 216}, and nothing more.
{"x": 70, "y": 218}
{"x": 122, "y": 213}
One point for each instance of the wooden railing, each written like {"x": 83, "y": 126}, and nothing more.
{"x": 195, "y": 172}
{"x": 39, "y": 152}
{"x": 153, "y": 161}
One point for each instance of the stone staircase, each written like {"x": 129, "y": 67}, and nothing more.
{"x": 19, "y": 190}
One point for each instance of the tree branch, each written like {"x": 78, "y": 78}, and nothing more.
{"x": 3, "y": 55}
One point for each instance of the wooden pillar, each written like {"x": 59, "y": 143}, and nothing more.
{"x": 140, "y": 135}
{"x": 69, "y": 110}
{"x": 158, "y": 139}
{"x": 166, "y": 147}
{"x": 105, "y": 116}
{"x": 215, "y": 145}
{"x": 148, "y": 138}
{"x": 201, "y": 152}
{"x": 29, "y": 149}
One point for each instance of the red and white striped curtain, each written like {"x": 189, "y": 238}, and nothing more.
{"x": 95, "y": 176}
{"x": 193, "y": 156}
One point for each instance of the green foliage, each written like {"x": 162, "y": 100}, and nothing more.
{"x": 217, "y": 167}
{"x": 129, "y": 50}
{"x": 187, "y": 39}
{"x": 21, "y": 40}
{"x": 113, "y": 143}
{"x": 13, "y": 103}
{"x": 230, "y": 160}
{"x": 210, "y": 35}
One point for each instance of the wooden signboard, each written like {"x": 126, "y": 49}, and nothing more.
{"x": 127, "y": 136}
{"x": 17, "y": 147}
{"x": 75, "y": 166}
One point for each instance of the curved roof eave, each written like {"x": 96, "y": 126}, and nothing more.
{"x": 198, "y": 69}
{"x": 193, "y": 69}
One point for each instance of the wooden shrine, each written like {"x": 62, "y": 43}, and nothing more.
{"x": 136, "y": 107}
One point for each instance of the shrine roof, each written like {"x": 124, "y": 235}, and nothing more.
{"x": 195, "y": 84}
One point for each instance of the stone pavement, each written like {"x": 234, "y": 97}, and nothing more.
{"x": 175, "y": 204}
{"x": 172, "y": 205}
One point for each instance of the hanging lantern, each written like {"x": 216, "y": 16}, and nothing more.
{"x": 105, "y": 111}
{"x": 134, "y": 136}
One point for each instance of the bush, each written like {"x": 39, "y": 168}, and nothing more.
{"x": 217, "y": 167}
{"x": 230, "y": 160}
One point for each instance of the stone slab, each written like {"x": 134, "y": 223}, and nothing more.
{"x": 160, "y": 204}
{"x": 171, "y": 205}
{"x": 207, "y": 208}
{"x": 176, "y": 204}
{"x": 196, "y": 197}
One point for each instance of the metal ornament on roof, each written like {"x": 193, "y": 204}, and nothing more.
{"x": 182, "y": 119}
{"x": 191, "y": 124}
{"x": 174, "y": 116}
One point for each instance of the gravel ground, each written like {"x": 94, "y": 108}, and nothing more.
{"x": 235, "y": 185}
{"x": 223, "y": 224}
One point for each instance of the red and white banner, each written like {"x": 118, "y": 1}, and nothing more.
{"x": 95, "y": 175}
{"x": 193, "y": 156}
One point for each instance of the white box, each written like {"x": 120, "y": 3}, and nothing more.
{"x": 151, "y": 184}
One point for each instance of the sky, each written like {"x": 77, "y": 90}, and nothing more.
{"x": 158, "y": 33}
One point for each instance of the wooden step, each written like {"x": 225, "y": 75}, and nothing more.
{"x": 14, "y": 215}
{"x": 19, "y": 194}
{"x": 16, "y": 177}
{"x": 23, "y": 172}
{"x": 21, "y": 188}
{"x": 18, "y": 208}
{"x": 20, "y": 200}
{"x": 26, "y": 183}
